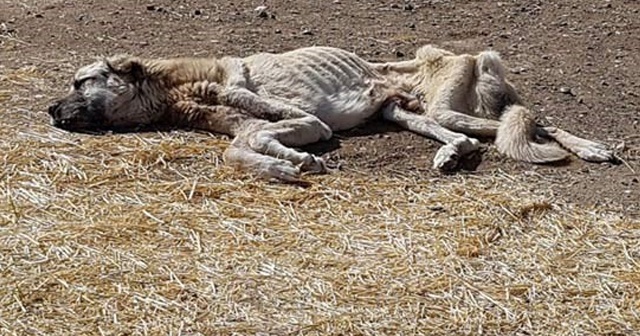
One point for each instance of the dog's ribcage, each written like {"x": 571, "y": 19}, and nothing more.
{"x": 333, "y": 84}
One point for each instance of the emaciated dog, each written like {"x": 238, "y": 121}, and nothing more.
{"x": 270, "y": 103}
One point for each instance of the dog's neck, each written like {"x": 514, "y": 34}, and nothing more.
{"x": 178, "y": 71}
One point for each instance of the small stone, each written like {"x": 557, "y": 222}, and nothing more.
{"x": 261, "y": 12}
{"x": 395, "y": 6}
{"x": 412, "y": 26}
{"x": 278, "y": 31}
{"x": 197, "y": 12}
{"x": 307, "y": 31}
{"x": 408, "y": 7}
{"x": 567, "y": 90}
{"x": 399, "y": 53}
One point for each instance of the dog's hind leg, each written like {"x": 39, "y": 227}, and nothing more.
{"x": 585, "y": 149}
{"x": 455, "y": 146}
{"x": 398, "y": 67}
{"x": 460, "y": 122}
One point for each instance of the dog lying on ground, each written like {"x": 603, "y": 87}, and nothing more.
{"x": 270, "y": 103}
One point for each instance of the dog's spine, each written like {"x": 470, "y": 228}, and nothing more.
{"x": 516, "y": 135}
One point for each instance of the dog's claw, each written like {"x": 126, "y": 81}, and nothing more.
{"x": 283, "y": 170}
{"x": 315, "y": 165}
{"x": 447, "y": 157}
{"x": 596, "y": 154}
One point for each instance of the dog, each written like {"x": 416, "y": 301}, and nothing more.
{"x": 272, "y": 102}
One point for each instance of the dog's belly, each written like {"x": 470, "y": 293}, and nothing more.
{"x": 332, "y": 84}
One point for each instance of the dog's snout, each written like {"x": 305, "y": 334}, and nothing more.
{"x": 53, "y": 109}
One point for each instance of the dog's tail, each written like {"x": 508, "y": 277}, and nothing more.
{"x": 517, "y": 131}
{"x": 516, "y": 138}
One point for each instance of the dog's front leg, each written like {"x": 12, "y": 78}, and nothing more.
{"x": 456, "y": 144}
{"x": 262, "y": 147}
{"x": 211, "y": 118}
{"x": 276, "y": 139}
{"x": 260, "y": 107}
{"x": 240, "y": 155}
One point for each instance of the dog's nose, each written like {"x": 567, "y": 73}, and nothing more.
{"x": 53, "y": 109}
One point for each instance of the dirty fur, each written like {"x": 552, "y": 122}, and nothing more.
{"x": 273, "y": 103}
{"x": 471, "y": 96}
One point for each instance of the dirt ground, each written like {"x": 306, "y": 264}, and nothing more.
{"x": 575, "y": 62}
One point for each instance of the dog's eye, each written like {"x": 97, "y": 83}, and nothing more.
{"x": 77, "y": 84}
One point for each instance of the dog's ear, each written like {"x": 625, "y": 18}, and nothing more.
{"x": 127, "y": 66}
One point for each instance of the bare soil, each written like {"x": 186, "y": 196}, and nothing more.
{"x": 574, "y": 61}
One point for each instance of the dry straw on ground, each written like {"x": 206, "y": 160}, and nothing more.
{"x": 148, "y": 234}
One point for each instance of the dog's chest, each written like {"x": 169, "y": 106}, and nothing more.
{"x": 333, "y": 85}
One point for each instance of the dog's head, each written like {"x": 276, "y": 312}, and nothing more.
{"x": 106, "y": 95}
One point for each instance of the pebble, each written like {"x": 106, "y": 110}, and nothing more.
{"x": 567, "y": 90}
{"x": 518, "y": 70}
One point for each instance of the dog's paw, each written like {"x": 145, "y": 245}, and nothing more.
{"x": 466, "y": 145}
{"x": 597, "y": 153}
{"x": 448, "y": 156}
{"x": 325, "y": 132}
{"x": 282, "y": 170}
{"x": 446, "y": 159}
